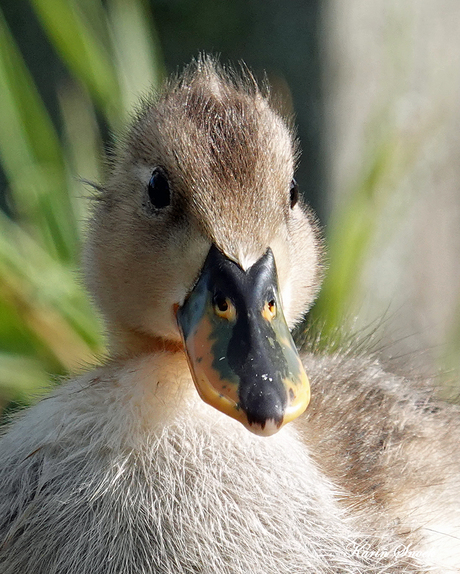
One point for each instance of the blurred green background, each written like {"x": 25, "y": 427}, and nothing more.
{"x": 72, "y": 70}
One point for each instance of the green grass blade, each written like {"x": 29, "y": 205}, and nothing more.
{"x": 83, "y": 52}
{"x": 136, "y": 46}
{"x": 46, "y": 295}
{"x": 31, "y": 155}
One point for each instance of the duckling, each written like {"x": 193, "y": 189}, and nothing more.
{"x": 195, "y": 447}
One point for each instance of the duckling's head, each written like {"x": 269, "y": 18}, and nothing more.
{"x": 199, "y": 236}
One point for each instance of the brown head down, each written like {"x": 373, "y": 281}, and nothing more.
{"x": 228, "y": 159}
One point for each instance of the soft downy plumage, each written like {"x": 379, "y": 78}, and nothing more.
{"x": 126, "y": 470}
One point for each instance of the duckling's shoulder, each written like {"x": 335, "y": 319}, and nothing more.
{"x": 391, "y": 445}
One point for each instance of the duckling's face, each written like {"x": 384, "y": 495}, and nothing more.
{"x": 208, "y": 166}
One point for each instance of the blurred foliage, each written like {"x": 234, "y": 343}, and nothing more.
{"x": 352, "y": 228}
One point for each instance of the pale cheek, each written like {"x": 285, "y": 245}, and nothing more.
{"x": 161, "y": 322}
{"x": 171, "y": 288}
{"x": 280, "y": 250}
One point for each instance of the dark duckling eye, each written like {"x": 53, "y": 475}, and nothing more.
{"x": 158, "y": 189}
{"x": 294, "y": 193}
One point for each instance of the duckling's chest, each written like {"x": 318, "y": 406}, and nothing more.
{"x": 139, "y": 487}
{"x": 204, "y": 495}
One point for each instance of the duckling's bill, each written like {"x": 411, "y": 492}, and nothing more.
{"x": 239, "y": 348}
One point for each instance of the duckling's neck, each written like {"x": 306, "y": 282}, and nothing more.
{"x": 127, "y": 343}
{"x": 153, "y": 378}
